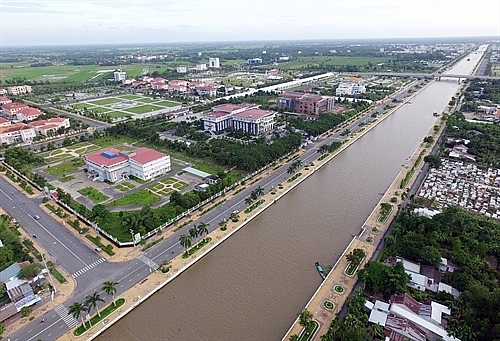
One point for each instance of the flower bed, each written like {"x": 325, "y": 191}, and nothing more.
{"x": 338, "y": 289}
{"x": 197, "y": 247}
{"x": 328, "y": 305}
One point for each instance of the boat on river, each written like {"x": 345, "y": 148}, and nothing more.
{"x": 320, "y": 270}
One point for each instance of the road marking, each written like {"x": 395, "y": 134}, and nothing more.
{"x": 152, "y": 264}
{"x": 63, "y": 312}
{"x": 88, "y": 267}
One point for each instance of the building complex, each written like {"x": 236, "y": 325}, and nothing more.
{"x": 114, "y": 165}
{"x": 351, "y": 86}
{"x": 245, "y": 117}
{"x": 305, "y": 104}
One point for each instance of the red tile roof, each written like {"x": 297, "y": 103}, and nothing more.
{"x": 253, "y": 113}
{"x": 145, "y": 155}
{"x": 100, "y": 158}
{"x": 30, "y": 112}
{"x": 14, "y": 127}
{"x": 49, "y": 126}
{"x": 3, "y": 120}
{"x": 4, "y": 100}
{"x": 14, "y": 105}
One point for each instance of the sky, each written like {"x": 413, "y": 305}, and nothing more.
{"x": 63, "y": 22}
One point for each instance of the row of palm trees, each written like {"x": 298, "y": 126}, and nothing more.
{"x": 78, "y": 309}
{"x": 186, "y": 240}
{"x": 254, "y": 195}
{"x": 294, "y": 166}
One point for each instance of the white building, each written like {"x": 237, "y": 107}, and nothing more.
{"x": 16, "y": 133}
{"x": 114, "y": 165}
{"x": 28, "y": 114}
{"x": 255, "y": 121}
{"x": 119, "y": 75}
{"x": 221, "y": 116}
{"x": 52, "y": 125}
{"x": 181, "y": 69}
{"x": 201, "y": 67}
{"x": 213, "y": 63}
{"x": 19, "y": 90}
{"x": 351, "y": 86}
{"x": 11, "y": 109}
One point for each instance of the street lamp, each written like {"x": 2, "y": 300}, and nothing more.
{"x": 132, "y": 233}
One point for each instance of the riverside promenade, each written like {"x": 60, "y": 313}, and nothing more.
{"x": 157, "y": 280}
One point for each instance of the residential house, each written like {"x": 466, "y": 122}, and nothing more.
{"x": 4, "y": 100}
{"x": 16, "y": 133}
{"x": 159, "y": 84}
{"x": 50, "y": 126}
{"x": 28, "y": 114}
{"x": 11, "y": 109}
{"x": 19, "y": 90}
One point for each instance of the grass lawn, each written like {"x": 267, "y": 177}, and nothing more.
{"x": 130, "y": 97}
{"x": 141, "y": 197}
{"x": 115, "y": 114}
{"x": 146, "y": 100}
{"x": 142, "y": 109}
{"x": 124, "y": 186}
{"x": 64, "y": 168}
{"x": 109, "y": 141}
{"x": 105, "y": 101}
{"x": 93, "y": 194}
{"x": 167, "y": 103}
{"x": 83, "y": 106}
{"x": 67, "y": 178}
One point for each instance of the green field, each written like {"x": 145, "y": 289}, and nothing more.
{"x": 131, "y": 97}
{"x": 124, "y": 186}
{"x": 145, "y": 100}
{"x": 167, "y": 103}
{"x": 141, "y": 197}
{"x": 69, "y": 73}
{"x": 142, "y": 109}
{"x": 105, "y": 101}
{"x": 93, "y": 194}
{"x": 117, "y": 114}
{"x": 65, "y": 168}
{"x": 325, "y": 61}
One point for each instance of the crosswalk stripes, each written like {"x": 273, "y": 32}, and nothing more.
{"x": 63, "y": 312}
{"x": 88, "y": 267}
{"x": 152, "y": 264}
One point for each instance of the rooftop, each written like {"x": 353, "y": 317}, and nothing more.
{"x": 107, "y": 157}
{"x": 13, "y": 127}
{"x": 217, "y": 114}
{"x": 254, "y": 113}
{"x": 14, "y": 105}
{"x": 30, "y": 112}
{"x": 146, "y": 155}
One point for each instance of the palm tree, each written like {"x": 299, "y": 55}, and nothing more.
{"x": 291, "y": 169}
{"x": 185, "y": 241}
{"x": 76, "y": 310}
{"x": 109, "y": 287}
{"x": 193, "y": 232}
{"x": 259, "y": 191}
{"x": 92, "y": 300}
{"x": 248, "y": 200}
{"x": 202, "y": 229}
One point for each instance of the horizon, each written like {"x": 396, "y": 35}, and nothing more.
{"x": 118, "y": 22}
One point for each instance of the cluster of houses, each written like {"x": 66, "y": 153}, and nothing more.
{"x": 197, "y": 88}
{"x": 245, "y": 117}
{"x": 21, "y": 292}
{"x": 404, "y": 318}
{"x": 466, "y": 185}
{"x": 20, "y": 123}
{"x": 114, "y": 165}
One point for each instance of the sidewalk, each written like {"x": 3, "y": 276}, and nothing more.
{"x": 63, "y": 292}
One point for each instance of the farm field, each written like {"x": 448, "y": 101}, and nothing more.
{"x": 306, "y": 62}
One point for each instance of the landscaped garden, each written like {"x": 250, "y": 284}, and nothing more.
{"x": 354, "y": 258}
{"x": 385, "y": 211}
{"x": 338, "y": 289}
{"x": 98, "y": 318}
{"x": 124, "y": 186}
{"x": 309, "y": 331}
{"x": 65, "y": 168}
{"x": 167, "y": 186}
{"x": 93, "y": 194}
{"x": 328, "y": 305}
{"x": 197, "y": 247}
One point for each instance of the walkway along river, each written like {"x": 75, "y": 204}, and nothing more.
{"x": 253, "y": 285}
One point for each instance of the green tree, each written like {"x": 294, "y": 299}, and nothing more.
{"x": 92, "y": 302}
{"x": 109, "y": 287}
{"x": 305, "y": 318}
{"x": 202, "y": 229}
{"x": 76, "y": 310}
{"x": 193, "y": 232}
{"x": 25, "y": 311}
{"x": 30, "y": 271}
{"x": 185, "y": 241}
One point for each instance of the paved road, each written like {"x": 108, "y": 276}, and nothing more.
{"x": 88, "y": 268}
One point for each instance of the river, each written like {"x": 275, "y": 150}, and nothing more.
{"x": 253, "y": 285}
